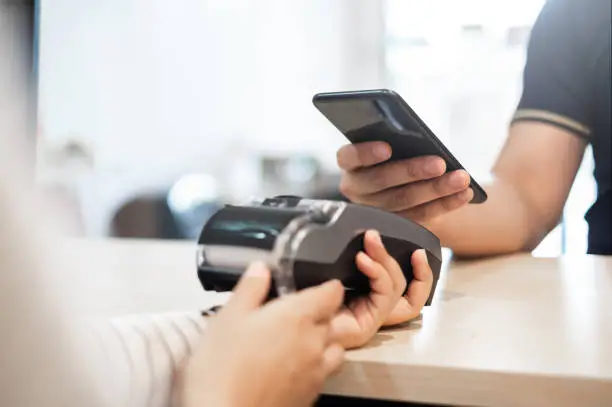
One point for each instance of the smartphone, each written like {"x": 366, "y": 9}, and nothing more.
{"x": 382, "y": 115}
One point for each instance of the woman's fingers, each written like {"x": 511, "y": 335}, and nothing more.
{"x": 371, "y": 269}
{"x": 420, "y": 287}
{"x": 317, "y": 304}
{"x": 333, "y": 358}
{"x": 403, "y": 312}
{"x": 377, "y": 251}
{"x": 251, "y": 290}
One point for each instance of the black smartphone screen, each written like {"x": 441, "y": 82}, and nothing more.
{"x": 382, "y": 115}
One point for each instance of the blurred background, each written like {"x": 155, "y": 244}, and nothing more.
{"x": 152, "y": 113}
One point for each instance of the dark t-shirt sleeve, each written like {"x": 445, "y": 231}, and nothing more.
{"x": 557, "y": 84}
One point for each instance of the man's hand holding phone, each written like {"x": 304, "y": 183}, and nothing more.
{"x": 395, "y": 162}
{"x": 416, "y": 188}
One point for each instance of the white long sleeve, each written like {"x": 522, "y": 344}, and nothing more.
{"x": 140, "y": 355}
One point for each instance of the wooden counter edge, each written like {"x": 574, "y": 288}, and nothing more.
{"x": 464, "y": 387}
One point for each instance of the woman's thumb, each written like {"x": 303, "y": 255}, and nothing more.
{"x": 252, "y": 289}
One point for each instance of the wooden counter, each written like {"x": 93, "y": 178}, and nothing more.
{"x": 515, "y": 331}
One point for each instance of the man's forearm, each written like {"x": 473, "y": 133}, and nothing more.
{"x": 500, "y": 225}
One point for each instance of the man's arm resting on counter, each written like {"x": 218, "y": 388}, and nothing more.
{"x": 533, "y": 176}
{"x": 551, "y": 127}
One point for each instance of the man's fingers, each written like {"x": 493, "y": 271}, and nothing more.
{"x": 431, "y": 210}
{"x": 332, "y": 359}
{"x": 419, "y": 288}
{"x": 321, "y": 302}
{"x": 251, "y": 291}
{"x": 353, "y": 156}
{"x": 415, "y": 194}
{"x": 372, "y": 180}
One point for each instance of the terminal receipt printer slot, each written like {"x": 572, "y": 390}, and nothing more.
{"x": 305, "y": 242}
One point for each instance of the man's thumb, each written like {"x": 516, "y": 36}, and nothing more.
{"x": 252, "y": 289}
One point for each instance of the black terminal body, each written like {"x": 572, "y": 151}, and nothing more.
{"x": 319, "y": 239}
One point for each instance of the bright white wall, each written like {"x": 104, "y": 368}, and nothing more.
{"x": 161, "y": 87}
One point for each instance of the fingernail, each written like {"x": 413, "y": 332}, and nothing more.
{"x": 257, "y": 269}
{"x": 364, "y": 257}
{"x": 459, "y": 179}
{"x": 435, "y": 167}
{"x": 333, "y": 282}
{"x": 382, "y": 151}
{"x": 376, "y": 236}
{"x": 466, "y": 195}
{"x": 424, "y": 256}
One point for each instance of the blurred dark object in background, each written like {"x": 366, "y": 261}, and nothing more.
{"x": 19, "y": 77}
{"x": 145, "y": 217}
{"x": 178, "y": 214}
{"x": 194, "y": 198}
{"x": 330, "y": 194}
{"x": 327, "y": 187}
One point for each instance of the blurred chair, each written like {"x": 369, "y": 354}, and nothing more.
{"x": 145, "y": 217}
{"x": 179, "y": 214}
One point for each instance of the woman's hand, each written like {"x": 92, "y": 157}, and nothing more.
{"x": 410, "y": 305}
{"x": 275, "y": 355}
{"x": 363, "y": 317}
